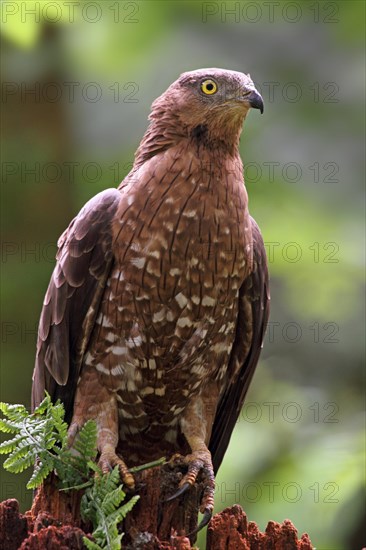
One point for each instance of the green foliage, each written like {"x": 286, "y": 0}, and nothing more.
{"x": 101, "y": 504}
{"x": 40, "y": 438}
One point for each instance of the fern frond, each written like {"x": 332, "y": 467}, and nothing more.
{"x": 40, "y": 473}
{"x": 38, "y": 434}
{"x": 112, "y": 500}
{"x": 86, "y": 446}
{"x": 91, "y": 545}
{"x": 13, "y": 412}
{"x": 10, "y": 444}
{"x": 44, "y": 405}
{"x": 40, "y": 439}
{"x": 20, "y": 451}
{"x": 127, "y": 507}
{"x": 100, "y": 504}
{"x": 8, "y": 427}
{"x": 86, "y": 441}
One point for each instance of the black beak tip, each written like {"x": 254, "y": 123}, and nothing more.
{"x": 256, "y": 101}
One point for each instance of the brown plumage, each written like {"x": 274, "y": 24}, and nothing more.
{"x": 155, "y": 314}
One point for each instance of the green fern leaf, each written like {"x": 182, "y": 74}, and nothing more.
{"x": 112, "y": 500}
{"x": 43, "y": 406}
{"x": 86, "y": 441}
{"x": 40, "y": 440}
{"x": 91, "y": 545}
{"x": 40, "y": 473}
{"x": 127, "y": 507}
{"x": 17, "y": 466}
{"x": 8, "y": 427}
{"x": 101, "y": 505}
{"x": 9, "y": 445}
{"x": 13, "y": 412}
{"x": 21, "y": 451}
{"x": 60, "y": 426}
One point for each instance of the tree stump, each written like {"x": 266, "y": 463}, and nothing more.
{"x": 153, "y": 523}
{"x": 54, "y": 521}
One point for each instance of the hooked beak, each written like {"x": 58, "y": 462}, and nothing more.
{"x": 255, "y": 100}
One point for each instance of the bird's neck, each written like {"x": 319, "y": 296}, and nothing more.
{"x": 219, "y": 138}
{"x": 157, "y": 138}
{"x": 218, "y": 141}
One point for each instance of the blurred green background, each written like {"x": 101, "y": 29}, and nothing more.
{"x": 78, "y": 79}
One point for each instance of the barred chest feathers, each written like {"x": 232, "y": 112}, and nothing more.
{"x": 171, "y": 302}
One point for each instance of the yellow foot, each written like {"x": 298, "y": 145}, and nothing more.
{"x": 109, "y": 459}
{"x": 198, "y": 462}
{"x": 177, "y": 460}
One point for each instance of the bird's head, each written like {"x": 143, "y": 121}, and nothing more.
{"x": 208, "y": 103}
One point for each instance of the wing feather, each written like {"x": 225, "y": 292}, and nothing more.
{"x": 84, "y": 260}
{"x": 251, "y": 325}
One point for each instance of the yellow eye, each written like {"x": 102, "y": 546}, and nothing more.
{"x": 209, "y": 87}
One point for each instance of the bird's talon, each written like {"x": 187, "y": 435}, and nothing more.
{"x": 176, "y": 460}
{"x": 182, "y": 489}
{"x": 198, "y": 463}
{"x": 109, "y": 460}
{"x": 207, "y": 515}
{"x": 207, "y": 502}
{"x": 129, "y": 480}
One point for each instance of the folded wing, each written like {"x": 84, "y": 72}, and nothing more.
{"x": 84, "y": 260}
{"x": 252, "y": 320}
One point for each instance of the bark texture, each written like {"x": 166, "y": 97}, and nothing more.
{"x": 54, "y": 523}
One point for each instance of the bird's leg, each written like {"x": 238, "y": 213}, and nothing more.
{"x": 200, "y": 461}
{"x": 103, "y": 409}
{"x": 196, "y": 425}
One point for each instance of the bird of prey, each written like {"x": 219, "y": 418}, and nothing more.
{"x": 154, "y": 317}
